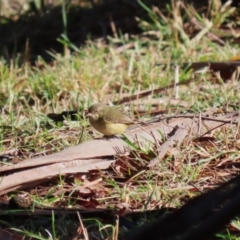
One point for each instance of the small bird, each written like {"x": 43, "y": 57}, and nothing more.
{"x": 108, "y": 120}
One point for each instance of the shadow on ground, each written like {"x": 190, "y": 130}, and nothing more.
{"x": 36, "y": 31}
{"x": 33, "y": 33}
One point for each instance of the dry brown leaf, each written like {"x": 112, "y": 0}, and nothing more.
{"x": 5, "y": 235}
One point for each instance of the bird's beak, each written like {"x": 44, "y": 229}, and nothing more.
{"x": 89, "y": 115}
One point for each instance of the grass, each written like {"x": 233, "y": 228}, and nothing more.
{"x": 103, "y": 71}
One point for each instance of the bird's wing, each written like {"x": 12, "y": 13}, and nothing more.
{"x": 118, "y": 118}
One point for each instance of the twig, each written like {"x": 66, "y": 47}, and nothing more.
{"x": 194, "y": 116}
{"x": 149, "y": 92}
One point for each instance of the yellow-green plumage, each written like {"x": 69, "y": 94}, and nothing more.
{"x": 108, "y": 120}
